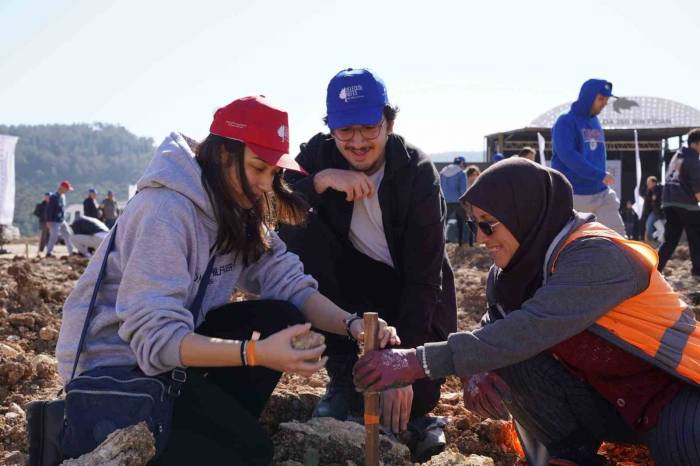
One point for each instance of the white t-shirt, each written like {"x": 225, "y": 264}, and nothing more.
{"x": 367, "y": 227}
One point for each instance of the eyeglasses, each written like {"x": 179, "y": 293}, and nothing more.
{"x": 367, "y": 132}
{"x": 486, "y": 227}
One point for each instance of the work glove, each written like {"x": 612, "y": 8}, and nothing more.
{"x": 390, "y": 368}
{"x": 484, "y": 394}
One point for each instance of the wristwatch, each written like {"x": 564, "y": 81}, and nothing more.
{"x": 348, "y": 322}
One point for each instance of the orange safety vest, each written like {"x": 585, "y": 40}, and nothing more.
{"x": 656, "y": 321}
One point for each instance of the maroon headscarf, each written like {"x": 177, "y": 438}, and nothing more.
{"x": 534, "y": 203}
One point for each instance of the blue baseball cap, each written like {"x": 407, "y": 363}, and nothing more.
{"x": 355, "y": 97}
{"x": 606, "y": 89}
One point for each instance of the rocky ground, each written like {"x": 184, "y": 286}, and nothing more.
{"x": 32, "y": 291}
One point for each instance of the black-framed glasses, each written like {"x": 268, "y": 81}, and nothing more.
{"x": 367, "y": 131}
{"x": 486, "y": 227}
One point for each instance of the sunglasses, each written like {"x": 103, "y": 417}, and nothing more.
{"x": 486, "y": 227}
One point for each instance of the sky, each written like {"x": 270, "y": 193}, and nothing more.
{"x": 458, "y": 70}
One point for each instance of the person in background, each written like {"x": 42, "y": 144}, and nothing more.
{"x": 453, "y": 182}
{"x": 90, "y": 208}
{"x": 583, "y": 341}
{"x": 55, "y": 218}
{"x": 88, "y": 233}
{"x": 652, "y": 208}
{"x": 578, "y": 146}
{"x": 40, "y": 211}
{"x": 527, "y": 153}
{"x": 681, "y": 195}
{"x": 629, "y": 216}
{"x": 110, "y": 209}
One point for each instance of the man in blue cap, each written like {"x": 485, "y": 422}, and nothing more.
{"x": 375, "y": 242}
{"x": 578, "y": 146}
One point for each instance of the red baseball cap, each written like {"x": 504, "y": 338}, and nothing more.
{"x": 66, "y": 184}
{"x": 260, "y": 126}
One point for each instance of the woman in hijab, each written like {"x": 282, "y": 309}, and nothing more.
{"x": 583, "y": 340}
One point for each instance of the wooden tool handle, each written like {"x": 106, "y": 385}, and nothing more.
{"x": 371, "y": 398}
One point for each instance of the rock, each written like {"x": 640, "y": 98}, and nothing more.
{"x": 11, "y": 372}
{"x": 48, "y": 333}
{"x": 132, "y": 446}
{"x": 308, "y": 340}
{"x": 3, "y": 313}
{"x": 335, "y": 442}
{"x": 8, "y": 351}
{"x": 44, "y": 365}
{"x": 285, "y": 406}
{"x": 453, "y": 458}
{"x": 11, "y": 416}
{"x": 15, "y": 408}
{"x": 15, "y": 458}
{"x": 24, "y": 319}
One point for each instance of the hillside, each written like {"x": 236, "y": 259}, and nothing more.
{"x": 103, "y": 156}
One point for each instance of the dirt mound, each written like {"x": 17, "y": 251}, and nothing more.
{"x": 32, "y": 292}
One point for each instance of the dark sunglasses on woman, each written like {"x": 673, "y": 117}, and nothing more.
{"x": 486, "y": 227}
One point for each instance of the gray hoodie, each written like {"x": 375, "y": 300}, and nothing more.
{"x": 160, "y": 253}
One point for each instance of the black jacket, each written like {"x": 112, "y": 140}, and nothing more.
{"x": 90, "y": 208}
{"x": 40, "y": 211}
{"x": 88, "y": 226}
{"x": 683, "y": 180}
{"x": 413, "y": 214}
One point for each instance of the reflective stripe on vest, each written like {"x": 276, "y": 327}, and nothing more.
{"x": 656, "y": 321}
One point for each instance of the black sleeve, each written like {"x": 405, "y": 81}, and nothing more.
{"x": 422, "y": 252}
{"x": 691, "y": 172}
{"x": 309, "y": 159}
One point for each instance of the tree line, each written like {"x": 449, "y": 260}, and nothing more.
{"x": 101, "y": 156}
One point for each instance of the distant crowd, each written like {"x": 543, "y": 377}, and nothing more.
{"x": 87, "y": 229}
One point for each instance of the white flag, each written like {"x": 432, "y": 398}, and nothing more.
{"x": 541, "y": 144}
{"x": 7, "y": 178}
{"x": 638, "y": 201}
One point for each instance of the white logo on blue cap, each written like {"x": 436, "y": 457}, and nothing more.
{"x": 351, "y": 92}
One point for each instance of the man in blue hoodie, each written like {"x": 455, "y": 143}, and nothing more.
{"x": 453, "y": 181}
{"x": 579, "y": 153}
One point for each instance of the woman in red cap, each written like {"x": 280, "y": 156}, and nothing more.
{"x": 201, "y": 227}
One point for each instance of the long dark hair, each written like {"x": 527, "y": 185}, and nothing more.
{"x": 243, "y": 230}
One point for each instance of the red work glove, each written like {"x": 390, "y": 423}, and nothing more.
{"x": 379, "y": 370}
{"x": 484, "y": 394}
